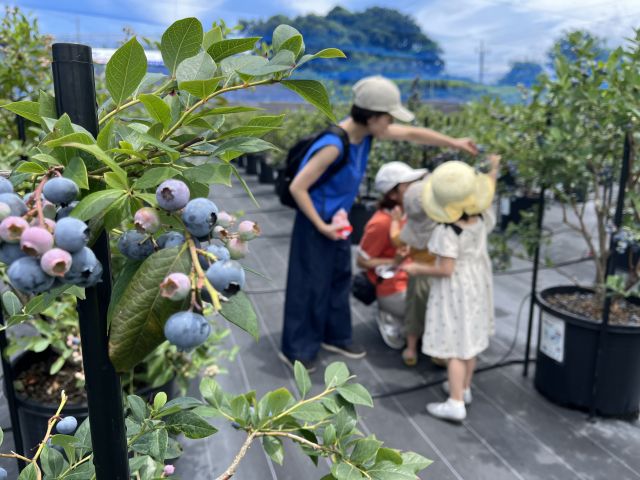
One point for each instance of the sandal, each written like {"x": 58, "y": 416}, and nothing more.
{"x": 408, "y": 359}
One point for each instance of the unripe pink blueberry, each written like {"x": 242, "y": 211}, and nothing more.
{"x": 147, "y": 220}
{"x": 225, "y": 219}
{"x": 35, "y": 241}
{"x": 11, "y": 228}
{"x": 237, "y": 248}
{"x": 169, "y": 470}
{"x": 56, "y": 262}
{"x": 220, "y": 233}
{"x": 5, "y": 211}
{"x": 248, "y": 230}
{"x": 175, "y": 286}
{"x": 48, "y": 224}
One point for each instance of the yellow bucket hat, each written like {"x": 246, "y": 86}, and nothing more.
{"x": 454, "y": 188}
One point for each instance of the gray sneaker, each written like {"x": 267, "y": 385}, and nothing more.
{"x": 310, "y": 365}
{"x": 467, "y": 398}
{"x": 391, "y": 330}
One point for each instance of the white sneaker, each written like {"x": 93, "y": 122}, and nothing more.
{"x": 452, "y": 410}
{"x": 391, "y": 330}
{"x": 467, "y": 398}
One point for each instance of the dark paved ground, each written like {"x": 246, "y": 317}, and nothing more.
{"x": 511, "y": 431}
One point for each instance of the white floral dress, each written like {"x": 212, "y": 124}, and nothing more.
{"x": 460, "y": 316}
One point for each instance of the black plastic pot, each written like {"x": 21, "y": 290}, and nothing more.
{"x": 35, "y": 415}
{"x": 267, "y": 173}
{"x": 566, "y": 359}
{"x": 359, "y": 215}
{"x": 251, "y": 164}
{"x": 518, "y": 205}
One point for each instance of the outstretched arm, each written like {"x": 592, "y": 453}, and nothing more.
{"x": 426, "y": 136}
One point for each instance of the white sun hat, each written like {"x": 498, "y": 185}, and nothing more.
{"x": 393, "y": 173}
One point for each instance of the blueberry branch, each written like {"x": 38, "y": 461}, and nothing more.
{"x": 133, "y": 102}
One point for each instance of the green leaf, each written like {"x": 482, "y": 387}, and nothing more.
{"x": 283, "y": 34}
{"x": 180, "y": 41}
{"x": 159, "y": 400}
{"x": 139, "y": 134}
{"x": 138, "y": 319}
{"x": 138, "y": 407}
{"x": 390, "y": 455}
{"x": 314, "y": 93}
{"x": 246, "y": 131}
{"x": 295, "y": 45}
{"x": 365, "y": 450}
{"x": 47, "y": 105}
{"x": 112, "y": 180}
{"x": 344, "y": 423}
{"x": 326, "y": 53}
{"x": 26, "y": 109}
{"x": 45, "y": 158}
{"x": 226, "y": 48}
{"x": 344, "y": 471}
{"x": 84, "y": 471}
{"x": 267, "y": 121}
{"x": 158, "y": 441}
{"x": 336, "y": 374}
{"x": 105, "y": 135}
{"x": 356, "y": 394}
{"x": 30, "y": 167}
{"x": 52, "y": 461}
{"x": 310, "y": 412}
{"x": 155, "y": 176}
{"x": 190, "y": 424}
{"x": 234, "y": 147}
{"x": 239, "y": 311}
{"x": 415, "y": 462}
{"x": 390, "y": 471}
{"x": 11, "y": 304}
{"x": 158, "y": 109}
{"x": 245, "y": 186}
{"x": 101, "y": 155}
{"x": 273, "y": 447}
{"x": 96, "y": 203}
{"x": 77, "y": 171}
{"x": 276, "y": 402}
{"x": 200, "y": 88}
{"x": 57, "y": 365}
{"x": 198, "y": 67}
{"x": 76, "y": 137}
{"x": 29, "y": 473}
{"x": 212, "y": 36}
{"x": 329, "y": 435}
{"x": 303, "y": 381}
{"x": 210, "y": 173}
{"x": 125, "y": 70}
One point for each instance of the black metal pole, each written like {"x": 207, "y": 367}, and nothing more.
{"x": 7, "y": 373}
{"x": 611, "y": 266}
{"x": 534, "y": 282}
{"x": 75, "y": 95}
{"x": 22, "y": 132}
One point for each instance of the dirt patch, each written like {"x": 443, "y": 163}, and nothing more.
{"x": 586, "y": 305}
{"x": 36, "y": 384}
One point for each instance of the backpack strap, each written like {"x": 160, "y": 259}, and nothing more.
{"x": 344, "y": 160}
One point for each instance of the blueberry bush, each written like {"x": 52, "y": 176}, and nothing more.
{"x": 176, "y": 257}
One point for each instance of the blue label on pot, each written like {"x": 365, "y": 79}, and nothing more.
{"x": 552, "y": 339}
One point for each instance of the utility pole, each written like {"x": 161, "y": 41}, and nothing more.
{"x": 482, "y": 51}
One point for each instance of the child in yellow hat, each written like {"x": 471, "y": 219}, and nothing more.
{"x": 460, "y": 317}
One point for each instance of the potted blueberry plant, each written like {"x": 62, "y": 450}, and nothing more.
{"x": 146, "y": 183}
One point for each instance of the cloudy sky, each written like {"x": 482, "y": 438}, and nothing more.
{"x": 510, "y": 30}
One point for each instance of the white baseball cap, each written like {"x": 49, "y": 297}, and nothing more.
{"x": 393, "y": 173}
{"x": 379, "y": 94}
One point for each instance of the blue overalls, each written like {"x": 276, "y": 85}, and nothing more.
{"x": 319, "y": 277}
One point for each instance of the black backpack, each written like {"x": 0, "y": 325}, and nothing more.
{"x": 295, "y": 156}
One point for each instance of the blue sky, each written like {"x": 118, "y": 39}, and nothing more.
{"x": 510, "y": 30}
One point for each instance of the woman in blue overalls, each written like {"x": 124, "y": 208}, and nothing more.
{"x": 317, "y": 312}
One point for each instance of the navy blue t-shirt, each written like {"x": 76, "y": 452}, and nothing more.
{"x": 341, "y": 189}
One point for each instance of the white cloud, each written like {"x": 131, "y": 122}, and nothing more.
{"x": 301, "y": 7}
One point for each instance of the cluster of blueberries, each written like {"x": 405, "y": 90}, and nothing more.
{"x": 204, "y": 223}
{"x": 40, "y": 243}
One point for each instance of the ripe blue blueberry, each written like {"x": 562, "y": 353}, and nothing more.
{"x": 17, "y": 206}
{"x": 86, "y": 269}
{"x": 71, "y": 234}
{"x": 187, "y": 330}
{"x": 172, "y": 195}
{"x": 60, "y": 190}
{"x": 135, "y": 245}
{"x": 170, "y": 240}
{"x": 26, "y": 275}
{"x": 219, "y": 251}
{"x": 65, "y": 211}
{"x": 226, "y": 275}
{"x": 10, "y": 252}
{"x": 200, "y": 216}
{"x": 67, "y": 425}
{"x": 5, "y": 186}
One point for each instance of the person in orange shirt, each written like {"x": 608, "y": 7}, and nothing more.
{"x": 380, "y": 256}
